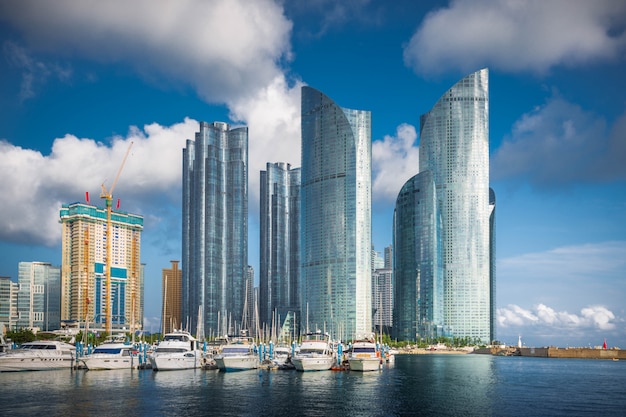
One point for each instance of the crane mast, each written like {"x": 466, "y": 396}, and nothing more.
{"x": 108, "y": 199}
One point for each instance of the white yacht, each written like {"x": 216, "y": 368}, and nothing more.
{"x": 316, "y": 353}
{"x": 238, "y": 355}
{"x": 281, "y": 356}
{"x": 39, "y": 356}
{"x": 177, "y": 350}
{"x": 112, "y": 354}
{"x": 364, "y": 357}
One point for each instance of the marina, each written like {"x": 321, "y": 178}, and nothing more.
{"x": 444, "y": 385}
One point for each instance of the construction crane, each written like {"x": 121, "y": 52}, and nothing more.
{"x": 108, "y": 198}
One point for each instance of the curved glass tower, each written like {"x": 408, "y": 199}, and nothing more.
{"x": 418, "y": 275}
{"x": 336, "y": 235}
{"x": 454, "y": 150}
{"x": 215, "y": 228}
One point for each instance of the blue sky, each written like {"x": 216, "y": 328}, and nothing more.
{"x": 81, "y": 79}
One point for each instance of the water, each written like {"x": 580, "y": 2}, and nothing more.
{"x": 417, "y": 385}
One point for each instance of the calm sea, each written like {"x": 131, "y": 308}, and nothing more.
{"x": 417, "y": 385}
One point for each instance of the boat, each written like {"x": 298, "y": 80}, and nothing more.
{"x": 315, "y": 354}
{"x": 41, "y": 355}
{"x": 364, "y": 356}
{"x": 114, "y": 353}
{"x": 178, "y": 350}
{"x": 4, "y": 346}
{"x": 281, "y": 356}
{"x": 238, "y": 355}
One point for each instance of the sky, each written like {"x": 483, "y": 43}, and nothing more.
{"x": 80, "y": 80}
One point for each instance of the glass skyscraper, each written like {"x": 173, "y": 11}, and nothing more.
{"x": 336, "y": 235}
{"x": 444, "y": 223}
{"x": 279, "y": 242}
{"x": 39, "y": 296}
{"x": 215, "y": 229}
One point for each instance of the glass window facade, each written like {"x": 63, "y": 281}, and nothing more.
{"x": 418, "y": 275}
{"x": 336, "y": 217}
{"x": 454, "y": 148}
{"x": 215, "y": 228}
{"x": 279, "y": 242}
{"x": 39, "y": 296}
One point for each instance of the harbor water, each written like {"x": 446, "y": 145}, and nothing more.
{"x": 416, "y": 385}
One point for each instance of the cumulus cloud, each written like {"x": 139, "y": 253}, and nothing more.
{"x": 591, "y": 317}
{"x": 38, "y": 184}
{"x": 515, "y": 36}
{"x": 394, "y": 161}
{"x": 226, "y": 49}
{"x": 551, "y": 143}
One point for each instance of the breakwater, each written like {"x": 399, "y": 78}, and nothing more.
{"x": 555, "y": 352}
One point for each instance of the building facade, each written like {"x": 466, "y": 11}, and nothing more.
{"x": 448, "y": 207}
{"x": 215, "y": 228}
{"x": 38, "y": 296}
{"x": 417, "y": 272}
{"x": 8, "y": 304}
{"x": 83, "y": 264}
{"x": 279, "y": 242}
{"x": 172, "y": 300}
{"x": 335, "y": 217}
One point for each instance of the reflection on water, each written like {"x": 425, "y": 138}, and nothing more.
{"x": 423, "y": 385}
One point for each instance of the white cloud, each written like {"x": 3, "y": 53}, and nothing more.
{"x": 550, "y": 144}
{"x": 514, "y": 36}
{"x": 591, "y": 317}
{"x": 224, "y": 48}
{"x": 38, "y": 184}
{"x": 394, "y": 161}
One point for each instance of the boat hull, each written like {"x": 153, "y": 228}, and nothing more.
{"x": 236, "y": 363}
{"x": 109, "y": 363}
{"x": 364, "y": 364}
{"x": 320, "y": 363}
{"x": 175, "y": 362}
{"x": 16, "y": 364}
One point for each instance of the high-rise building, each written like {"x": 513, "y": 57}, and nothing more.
{"x": 172, "y": 298}
{"x": 279, "y": 242}
{"x": 39, "y": 296}
{"x": 335, "y": 251}
{"x": 417, "y": 265}
{"x": 8, "y": 304}
{"x": 443, "y": 223}
{"x": 382, "y": 291}
{"x": 215, "y": 228}
{"x": 83, "y": 275}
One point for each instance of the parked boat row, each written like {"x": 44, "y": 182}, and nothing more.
{"x": 180, "y": 350}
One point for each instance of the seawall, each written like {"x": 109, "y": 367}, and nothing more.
{"x": 555, "y": 352}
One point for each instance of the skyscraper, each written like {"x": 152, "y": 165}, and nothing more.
{"x": 39, "y": 296}
{"x": 279, "y": 241}
{"x": 443, "y": 222}
{"x": 83, "y": 281}
{"x": 172, "y": 298}
{"x": 335, "y": 230}
{"x": 215, "y": 228}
